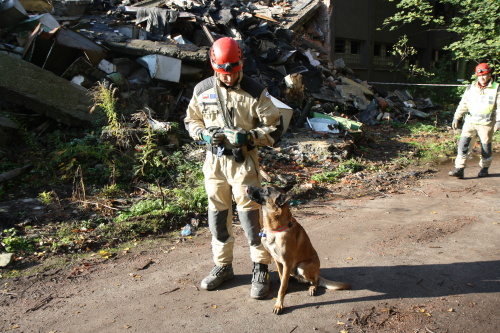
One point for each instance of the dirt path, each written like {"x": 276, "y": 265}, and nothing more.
{"x": 427, "y": 261}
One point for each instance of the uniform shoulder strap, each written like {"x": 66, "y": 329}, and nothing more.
{"x": 204, "y": 86}
{"x": 251, "y": 86}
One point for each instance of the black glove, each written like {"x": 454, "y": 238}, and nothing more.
{"x": 213, "y": 135}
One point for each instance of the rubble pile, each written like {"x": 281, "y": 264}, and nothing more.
{"x": 155, "y": 51}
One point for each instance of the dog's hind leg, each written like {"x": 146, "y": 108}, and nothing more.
{"x": 310, "y": 274}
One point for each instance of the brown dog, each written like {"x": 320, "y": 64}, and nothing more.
{"x": 288, "y": 243}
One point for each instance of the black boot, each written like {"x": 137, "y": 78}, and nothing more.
{"x": 458, "y": 172}
{"x": 260, "y": 281}
{"x": 483, "y": 172}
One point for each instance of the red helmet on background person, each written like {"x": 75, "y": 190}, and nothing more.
{"x": 482, "y": 69}
{"x": 226, "y": 56}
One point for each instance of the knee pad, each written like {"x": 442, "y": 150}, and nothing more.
{"x": 217, "y": 222}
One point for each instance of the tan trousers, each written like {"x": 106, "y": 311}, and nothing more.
{"x": 226, "y": 180}
{"x": 470, "y": 133}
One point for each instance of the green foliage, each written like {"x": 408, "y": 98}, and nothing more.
{"x": 332, "y": 176}
{"x": 179, "y": 201}
{"x": 149, "y": 207}
{"x": 88, "y": 151}
{"x": 104, "y": 98}
{"x": 404, "y": 52}
{"x": 151, "y": 158}
{"x": 13, "y": 242}
{"x": 431, "y": 151}
{"x": 444, "y": 96}
{"x": 188, "y": 200}
{"x": 186, "y": 168}
{"x": 111, "y": 191}
{"x": 45, "y": 197}
{"x": 475, "y": 23}
{"x": 424, "y": 145}
{"x": 419, "y": 128}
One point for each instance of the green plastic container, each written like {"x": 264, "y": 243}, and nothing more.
{"x": 352, "y": 126}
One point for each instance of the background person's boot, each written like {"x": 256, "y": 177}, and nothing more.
{"x": 260, "y": 281}
{"x": 458, "y": 172}
{"x": 483, "y": 172}
{"x": 218, "y": 275}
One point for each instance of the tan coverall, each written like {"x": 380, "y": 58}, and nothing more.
{"x": 480, "y": 107}
{"x": 249, "y": 107}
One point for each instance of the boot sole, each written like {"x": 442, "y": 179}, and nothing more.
{"x": 259, "y": 297}
{"x": 207, "y": 287}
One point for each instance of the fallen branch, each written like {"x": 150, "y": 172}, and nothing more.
{"x": 40, "y": 304}
{"x": 97, "y": 204}
{"x": 416, "y": 189}
{"x": 14, "y": 173}
{"x": 170, "y": 291}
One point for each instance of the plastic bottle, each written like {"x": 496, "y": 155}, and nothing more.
{"x": 186, "y": 231}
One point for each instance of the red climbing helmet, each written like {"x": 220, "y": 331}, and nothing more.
{"x": 482, "y": 69}
{"x": 226, "y": 56}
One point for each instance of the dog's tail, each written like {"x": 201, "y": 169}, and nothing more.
{"x": 332, "y": 285}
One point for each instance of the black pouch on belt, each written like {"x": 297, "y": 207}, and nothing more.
{"x": 238, "y": 154}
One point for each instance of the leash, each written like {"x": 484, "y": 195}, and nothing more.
{"x": 288, "y": 226}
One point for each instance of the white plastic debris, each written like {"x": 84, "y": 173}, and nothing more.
{"x": 324, "y": 125}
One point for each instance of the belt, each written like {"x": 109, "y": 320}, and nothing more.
{"x": 227, "y": 151}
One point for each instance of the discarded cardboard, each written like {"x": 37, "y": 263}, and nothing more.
{"x": 285, "y": 110}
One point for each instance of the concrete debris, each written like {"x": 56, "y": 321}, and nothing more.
{"x": 156, "y": 51}
{"x": 36, "y": 89}
{"x": 12, "y": 12}
{"x": 6, "y": 259}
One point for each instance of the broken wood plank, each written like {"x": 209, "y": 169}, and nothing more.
{"x": 207, "y": 33}
{"x": 267, "y": 18}
{"x": 301, "y": 14}
{"x": 137, "y": 47}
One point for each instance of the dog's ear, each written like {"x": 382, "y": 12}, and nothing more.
{"x": 283, "y": 199}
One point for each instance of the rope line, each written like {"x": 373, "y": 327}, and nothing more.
{"x": 422, "y": 84}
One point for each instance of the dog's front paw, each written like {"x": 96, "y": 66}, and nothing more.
{"x": 278, "y": 308}
{"x": 312, "y": 290}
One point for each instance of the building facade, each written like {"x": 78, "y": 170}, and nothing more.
{"x": 357, "y": 36}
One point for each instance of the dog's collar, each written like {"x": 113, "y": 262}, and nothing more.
{"x": 288, "y": 226}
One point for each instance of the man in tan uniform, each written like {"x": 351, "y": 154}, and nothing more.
{"x": 233, "y": 114}
{"x": 479, "y": 104}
